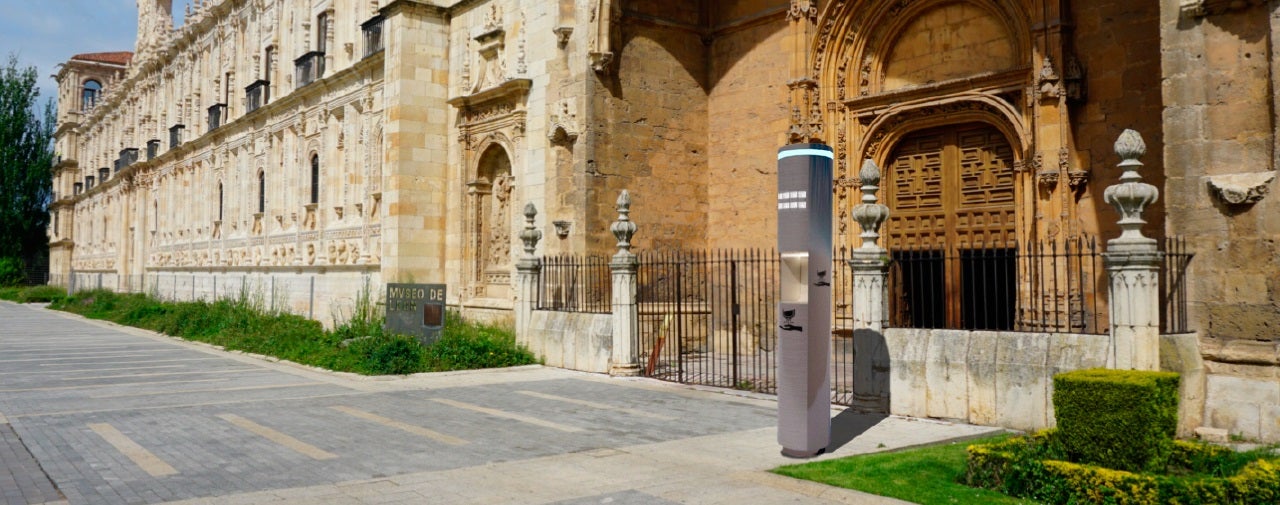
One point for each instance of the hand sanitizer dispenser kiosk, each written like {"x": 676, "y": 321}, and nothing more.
{"x": 804, "y": 308}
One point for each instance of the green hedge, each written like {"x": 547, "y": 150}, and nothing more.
{"x": 1197, "y": 474}
{"x": 1118, "y": 419}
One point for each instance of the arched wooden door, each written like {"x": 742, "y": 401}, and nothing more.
{"x": 951, "y": 229}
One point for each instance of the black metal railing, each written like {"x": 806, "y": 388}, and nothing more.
{"x": 104, "y": 173}
{"x": 1173, "y": 286}
{"x": 308, "y": 68}
{"x": 372, "y": 34}
{"x": 570, "y": 283}
{"x": 709, "y": 317}
{"x": 217, "y": 116}
{"x": 153, "y": 148}
{"x": 128, "y": 156}
{"x": 1054, "y": 286}
{"x": 175, "y": 135}
{"x": 256, "y": 95}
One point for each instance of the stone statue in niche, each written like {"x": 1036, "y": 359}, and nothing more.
{"x": 499, "y": 229}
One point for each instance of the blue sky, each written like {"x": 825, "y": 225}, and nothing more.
{"x": 45, "y": 33}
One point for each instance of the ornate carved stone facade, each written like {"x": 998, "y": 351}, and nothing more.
{"x": 993, "y": 120}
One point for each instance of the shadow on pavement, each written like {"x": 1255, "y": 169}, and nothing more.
{"x": 847, "y": 425}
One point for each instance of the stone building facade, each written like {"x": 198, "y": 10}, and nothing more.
{"x": 400, "y": 143}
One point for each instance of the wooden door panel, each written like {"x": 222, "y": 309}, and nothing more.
{"x": 950, "y": 191}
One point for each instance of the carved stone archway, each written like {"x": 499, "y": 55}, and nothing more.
{"x": 491, "y": 133}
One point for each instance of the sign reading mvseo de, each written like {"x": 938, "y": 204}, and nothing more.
{"x": 416, "y": 309}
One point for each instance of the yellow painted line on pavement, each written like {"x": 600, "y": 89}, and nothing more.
{"x": 211, "y": 390}
{"x": 508, "y": 415}
{"x": 296, "y": 445}
{"x": 86, "y": 386}
{"x": 416, "y": 430}
{"x": 132, "y": 362}
{"x": 145, "y": 460}
{"x": 40, "y": 372}
{"x": 595, "y": 405}
{"x": 234, "y": 370}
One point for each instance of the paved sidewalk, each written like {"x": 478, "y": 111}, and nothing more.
{"x": 113, "y": 415}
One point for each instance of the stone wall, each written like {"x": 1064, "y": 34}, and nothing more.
{"x": 577, "y": 341}
{"x": 1220, "y": 94}
{"x": 652, "y": 119}
{"x": 748, "y": 122}
{"x": 1118, "y": 46}
{"x": 984, "y": 377}
{"x": 328, "y": 298}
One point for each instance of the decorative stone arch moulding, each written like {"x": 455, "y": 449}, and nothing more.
{"x": 854, "y": 36}
{"x": 888, "y": 127}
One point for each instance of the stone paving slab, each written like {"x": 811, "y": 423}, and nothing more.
{"x": 22, "y": 481}
{"x": 218, "y": 427}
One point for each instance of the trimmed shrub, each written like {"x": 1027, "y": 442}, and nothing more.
{"x": 1198, "y": 474}
{"x": 1118, "y": 419}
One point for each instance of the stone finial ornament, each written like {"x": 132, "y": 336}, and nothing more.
{"x": 623, "y": 229}
{"x": 869, "y": 214}
{"x": 1131, "y": 196}
{"x": 531, "y": 235}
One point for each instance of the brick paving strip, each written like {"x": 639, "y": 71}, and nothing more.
{"x": 294, "y": 444}
{"x": 145, "y": 459}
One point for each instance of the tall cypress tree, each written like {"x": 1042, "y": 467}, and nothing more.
{"x": 26, "y": 163}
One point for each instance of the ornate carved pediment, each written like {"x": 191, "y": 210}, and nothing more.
{"x": 495, "y": 108}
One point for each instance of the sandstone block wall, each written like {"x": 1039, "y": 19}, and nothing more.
{"x": 1220, "y": 92}
{"x": 984, "y": 377}
{"x": 576, "y": 341}
{"x": 1118, "y": 45}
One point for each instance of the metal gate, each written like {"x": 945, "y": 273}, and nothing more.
{"x": 710, "y": 318}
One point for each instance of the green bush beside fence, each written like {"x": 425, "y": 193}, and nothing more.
{"x": 358, "y": 345}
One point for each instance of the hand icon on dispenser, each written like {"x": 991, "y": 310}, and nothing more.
{"x": 787, "y": 315}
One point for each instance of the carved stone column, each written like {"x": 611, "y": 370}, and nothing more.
{"x": 1133, "y": 264}
{"x": 626, "y": 314}
{"x": 870, "y": 265}
{"x": 528, "y": 271}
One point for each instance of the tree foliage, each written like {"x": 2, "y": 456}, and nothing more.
{"x": 26, "y": 160}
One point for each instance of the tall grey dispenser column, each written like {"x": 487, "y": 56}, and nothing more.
{"x": 804, "y": 304}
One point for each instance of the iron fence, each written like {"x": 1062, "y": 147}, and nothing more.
{"x": 1173, "y": 286}
{"x": 570, "y": 283}
{"x": 1053, "y": 286}
{"x": 709, "y": 317}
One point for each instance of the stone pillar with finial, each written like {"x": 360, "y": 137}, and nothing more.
{"x": 1133, "y": 264}
{"x": 869, "y": 262}
{"x": 626, "y": 313}
{"x": 870, "y": 266}
{"x": 528, "y": 271}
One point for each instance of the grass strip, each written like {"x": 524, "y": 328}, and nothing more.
{"x": 358, "y": 344}
{"x": 927, "y": 475}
